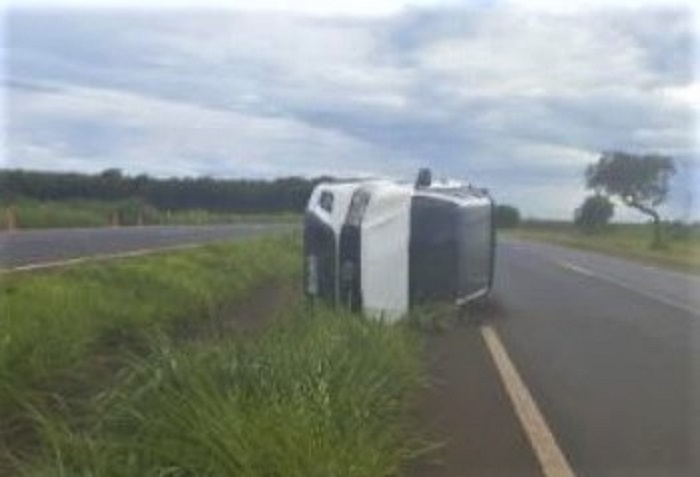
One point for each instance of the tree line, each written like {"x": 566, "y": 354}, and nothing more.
{"x": 288, "y": 194}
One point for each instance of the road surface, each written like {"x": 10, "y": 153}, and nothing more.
{"x": 26, "y": 248}
{"x": 609, "y": 352}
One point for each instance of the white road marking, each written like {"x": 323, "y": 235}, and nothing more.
{"x": 96, "y": 258}
{"x": 551, "y": 458}
{"x": 626, "y": 286}
{"x": 575, "y": 268}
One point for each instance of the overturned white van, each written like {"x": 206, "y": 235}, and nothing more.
{"x": 382, "y": 246}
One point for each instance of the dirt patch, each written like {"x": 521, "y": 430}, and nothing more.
{"x": 485, "y": 311}
{"x": 267, "y": 303}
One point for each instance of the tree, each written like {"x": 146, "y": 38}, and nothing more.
{"x": 288, "y": 194}
{"x": 639, "y": 181}
{"x": 594, "y": 214}
{"x": 507, "y": 216}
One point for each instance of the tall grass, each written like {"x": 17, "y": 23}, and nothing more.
{"x": 56, "y": 325}
{"x": 323, "y": 394}
{"x": 34, "y": 214}
{"x": 97, "y": 380}
{"x": 203, "y": 217}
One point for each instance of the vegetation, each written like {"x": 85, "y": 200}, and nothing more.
{"x": 217, "y": 195}
{"x": 682, "y": 251}
{"x": 299, "y": 401}
{"x": 506, "y": 216}
{"x": 103, "y": 372}
{"x": 34, "y": 214}
{"x": 595, "y": 214}
{"x": 55, "y": 325}
{"x": 640, "y": 181}
{"x": 31, "y": 199}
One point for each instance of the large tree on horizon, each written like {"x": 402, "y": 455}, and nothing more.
{"x": 640, "y": 181}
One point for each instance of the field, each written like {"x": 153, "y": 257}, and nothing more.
{"x": 34, "y": 214}
{"x": 681, "y": 250}
{"x": 200, "y": 362}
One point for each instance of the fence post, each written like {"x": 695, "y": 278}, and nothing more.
{"x": 114, "y": 219}
{"x": 10, "y": 218}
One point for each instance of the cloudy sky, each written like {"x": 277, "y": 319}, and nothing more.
{"x": 515, "y": 97}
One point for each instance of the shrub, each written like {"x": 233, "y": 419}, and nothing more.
{"x": 594, "y": 214}
{"x": 507, "y": 216}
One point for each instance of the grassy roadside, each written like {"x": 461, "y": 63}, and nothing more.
{"x": 321, "y": 394}
{"x": 628, "y": 241}
{"x": 98, "y": 379}
{"x": 33, "y": 214}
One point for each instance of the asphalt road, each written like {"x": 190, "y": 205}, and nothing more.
{"x": 609, "y": 351}
{"x": 41, "y": 246}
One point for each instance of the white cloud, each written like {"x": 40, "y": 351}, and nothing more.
{"x": 308, "y": 7}
{"x": 532, "y": 55}
{"x": 352, "y": 7}
{"x": 516, "y": 100}
{"x": 171, "y": 138}
{"x": 688, "y": 95}
{"x": 558, "y": 6}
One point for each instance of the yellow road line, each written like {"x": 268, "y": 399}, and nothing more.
{"x": 548, "y": 452}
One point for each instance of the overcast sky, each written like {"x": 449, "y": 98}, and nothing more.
{"x": 517, "y": 98}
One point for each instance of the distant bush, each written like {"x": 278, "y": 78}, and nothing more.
{"x": 678, "y": 230}
{"x": 507, "y": 216}
{"x": 594, "y": 214}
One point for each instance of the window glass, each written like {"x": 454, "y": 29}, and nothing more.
{"x": 326, "y": 201}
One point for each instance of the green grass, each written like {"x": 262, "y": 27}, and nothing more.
{"x": 626, "y": 240}
{"x": 97, "y": 379}
{"x": 324, "y": 394}
{"x": 204, "y": 217}
{"x": 57, "y": 325}
{"x": 33, "y": 214}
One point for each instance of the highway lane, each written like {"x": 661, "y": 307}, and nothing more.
{"x": 41, "y": 246}
{"x": 610, "y": 350}
{"x": 674, "y": 288}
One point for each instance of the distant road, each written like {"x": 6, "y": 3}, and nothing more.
{"x": 27, "y": 248}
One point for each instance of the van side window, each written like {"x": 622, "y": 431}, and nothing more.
{"x": 326, "y": 201}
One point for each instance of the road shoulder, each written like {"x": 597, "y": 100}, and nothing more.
{"x": 467, "y": 413}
